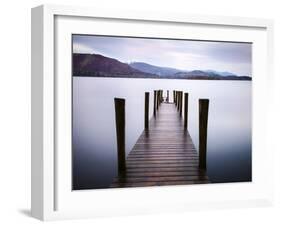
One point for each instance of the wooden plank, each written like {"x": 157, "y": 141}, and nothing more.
{"x": 157, "y": 165}
{"x": 168, "y": 148}
{"x": 165, "y": 169}
{"x": 164, "y": 174}
{"x": 159, "y": 179}
{"x": 148, "y": 184}
{"x": 163, "y": 155}
{"x": 162, "y": 161}
{"x": 149, "y": 158}
{"x": 166, "y": 145}
{"x": 164, "y": 151}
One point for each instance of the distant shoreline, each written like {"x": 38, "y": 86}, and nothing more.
{"x": 95, "y": 65}
{"x": 201, "y": 79}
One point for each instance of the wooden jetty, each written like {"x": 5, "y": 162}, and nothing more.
{"x": 164, "y": 154}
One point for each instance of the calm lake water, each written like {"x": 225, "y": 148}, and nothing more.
{"x": 94, "y": 137}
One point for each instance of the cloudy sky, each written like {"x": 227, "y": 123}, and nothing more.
{"x": 187, "y": 55}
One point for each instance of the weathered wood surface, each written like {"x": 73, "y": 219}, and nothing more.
{"x": 163, "y": 155}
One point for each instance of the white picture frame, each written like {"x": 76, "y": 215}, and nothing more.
{"x": 45, "y": 91}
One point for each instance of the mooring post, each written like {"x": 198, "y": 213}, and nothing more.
{"x": 179, "y": 100}
{"x": 203, "y": 125}
{"x": 146, "y": 110}
{"x": 167, "y": 99}
{"x": 185, "y": 110}
{"x": 155, "y": 103}
{"x": 181, "y": 94}
{"x": 120, "y": 133}
{"x": 176, "y": 93}
{"x": 174, "y": 98}
{"x": 178, "y": 106}
{"x": 157, "y": 100}
{"x": 159, "y": 97}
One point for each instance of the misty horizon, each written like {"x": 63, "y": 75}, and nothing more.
{"x": 184, "y": 55}
{"x": 184, "y": 70}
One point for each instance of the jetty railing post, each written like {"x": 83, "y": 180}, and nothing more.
{"x": 120, "y": 133}
{"x": 178, "y": 104}
{"x": 146, "y": 110}
{"x": 203, "y": 125}
{"x": 177, "y": 98}
{"x": 159, "y": 97}
{"x": 185, "y": 110}
{"x": 157, "y": 100}
{"x": 181, "y": 94}
{"x": 155, "y": 103}
{"x": 178, "y": 101}
{"x": 181, "y": 103}
{"x": 176, "y": 95}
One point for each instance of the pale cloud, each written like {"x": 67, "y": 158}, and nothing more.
{"x": 81, "y": 48}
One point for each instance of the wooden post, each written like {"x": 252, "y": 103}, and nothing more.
{"x": 174, "y": 96}
{"x": 120, "y": 133}
{"x": 176, "y": 99}
{"x": 185, "y": 110}
{"x": 167, "y": 99}
{"x": 181, "y": 94}
{"x": 179, "y": 100}
{"x": 157, "y": 100}
{"x": 155, "y": 103}
{"x": 203, "y": 125}
{"x": 146, "y": 110}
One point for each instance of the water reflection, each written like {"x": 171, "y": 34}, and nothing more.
{"x": 94, "y": 141}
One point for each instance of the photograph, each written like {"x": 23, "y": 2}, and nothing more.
{"x": 150, "y": 111}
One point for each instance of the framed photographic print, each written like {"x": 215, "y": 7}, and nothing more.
{"x": 137, "y": 112}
